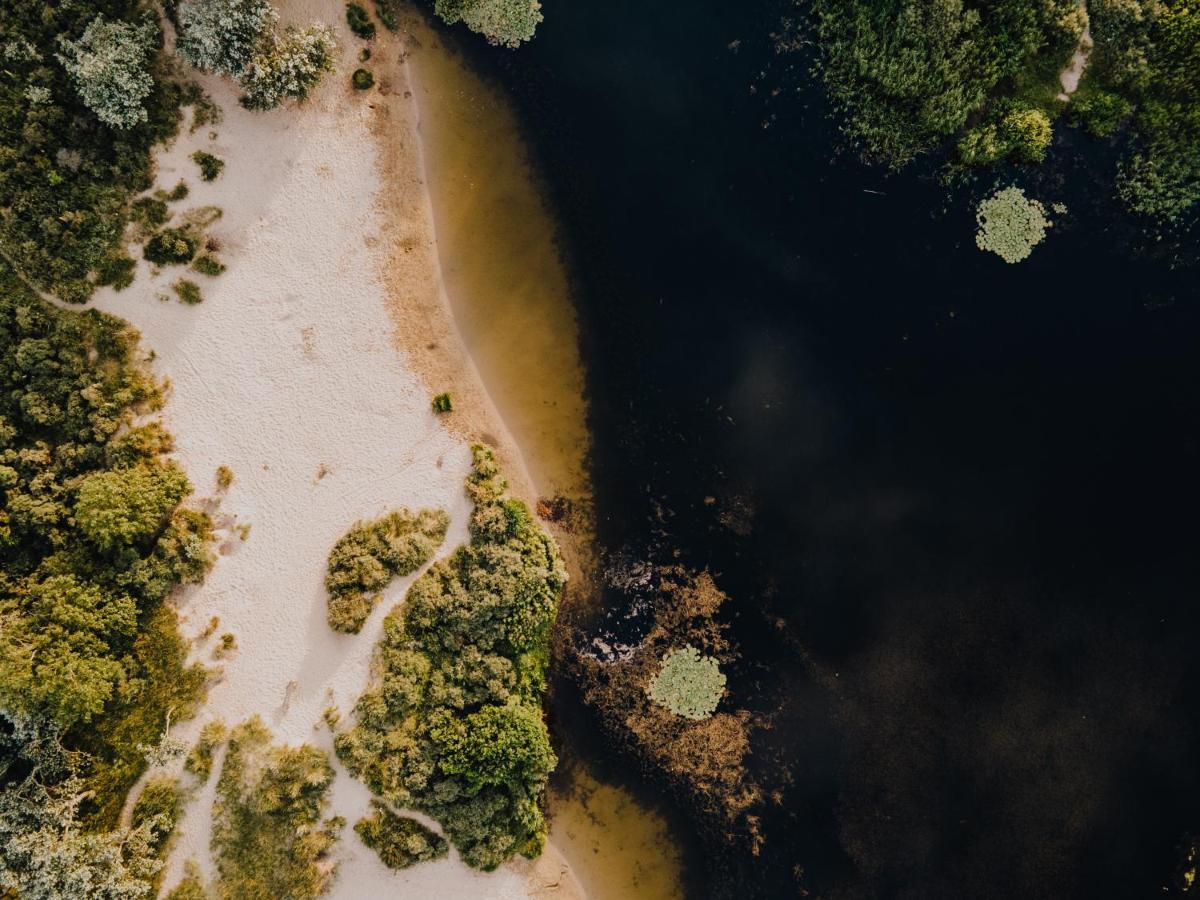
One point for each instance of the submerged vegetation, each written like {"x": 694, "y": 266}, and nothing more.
{"x": 452, "y": 723}
{"x": 268, "y": 836}
{"x": 1010, "y": 224}
{"x": 370, "y": 555}
{"x": 659, "y": 701}
{"x": 94, "y": 538}
{"x": 688, "y": 684}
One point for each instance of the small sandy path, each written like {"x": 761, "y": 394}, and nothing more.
{"x": 1069, "y": 77}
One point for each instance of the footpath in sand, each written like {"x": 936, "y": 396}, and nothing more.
{"x": 288, "y": 373}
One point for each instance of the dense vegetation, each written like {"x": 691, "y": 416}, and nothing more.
{"x": 906, "y": 75}
{"x": 400, "y": 841}
{"x": 1147, "y": 59}
{"x": 452, "y": 724}
{"x": 368, "y": 556}
{"x": 909, "y": 76}
{"x": 83, "y": 99}
{"x": 240, "y": 38}
{"x": 505, "y": 23}
{"x": 93, "y": 538}
{"x": 268, "y": 836}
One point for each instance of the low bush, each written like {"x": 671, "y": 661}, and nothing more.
{"x": 199, "y": 761}
{"x": 187, "y": 291}
{"x": 267, "y": 834}
{"x": 368, "y": 556}
{"x": 157, "y": 811}
{"x": 210, "y": 166}
{"x": 362, "y": 79}
{"x": 207, "y": 264}
{"x": 443, "y": 403}
{"x": 360, "y": 23}
{"x": 171, "y": 247}
{"x": 400, "y": 841}
{"x": 452, "y": 722}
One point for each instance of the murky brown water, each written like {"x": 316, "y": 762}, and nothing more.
{"x": 505, "y": 279}
{"x": 508, "y": 289}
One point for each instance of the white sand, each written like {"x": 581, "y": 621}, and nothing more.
{"x": 287, "y": 373}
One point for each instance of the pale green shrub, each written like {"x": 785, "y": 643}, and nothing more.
{"x": 287, "y": 67}
{"x": 1010, "y": 224}
{"x": 222, "y": 35}
{"x": 688, "y": 684}
{"x": 109, "y": 67}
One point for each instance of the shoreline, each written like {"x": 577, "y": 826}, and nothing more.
{"x": 428, "y": 335}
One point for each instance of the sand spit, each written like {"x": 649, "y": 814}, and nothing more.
{"x": 288, "y": 373}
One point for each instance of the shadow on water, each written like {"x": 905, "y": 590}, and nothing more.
{"x": 953, "y": 500}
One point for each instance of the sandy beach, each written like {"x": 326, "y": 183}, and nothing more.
{"x": 291, "y": 374}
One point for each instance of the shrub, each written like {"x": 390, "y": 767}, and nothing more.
{"x": 222, "y": 35}
{"x": 1010, "y": 224}
{"x": 442, "y": 403}
{"x": 360, "y": 23}
{"x": 506, "y": 23}
{"x": 366, "y": 559}
{"x": 1028, "y": 134}
{"x": 452, "y": 723}
{"x": 287, "y": 67}
{"x": 207, "y": 264}
{"x": 210, "y": 166}
{"x": 1099, "y": 112}
{"x": 187, "y": 291}
{"x": 177, "y": 193}
{"x": 267, "y": 832}
{"x": 199, "y": 761}
{"x": 171, "y": 246}
{"x": 688, "y": 684}
{"x": 116, "y": 269}
{"x": 150, "y": 212}
{"x": 109, "y": 67}
{"x": 399, "y": 840}
{"x": 225, "y": 478}
{"x": 122, "y": 509}
{"x": 362, "y": 79}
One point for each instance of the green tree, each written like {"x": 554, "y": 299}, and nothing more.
{"x": 496, "y": 745}
{"x": 223, "y": 35}
{"x": 507, "y": 23}
{"x": 109, "y": 66}
{"x": 123, "y": 508}
{"x": 287, "y": 67}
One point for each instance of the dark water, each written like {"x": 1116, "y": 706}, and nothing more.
{"x": 969, "y": 587}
